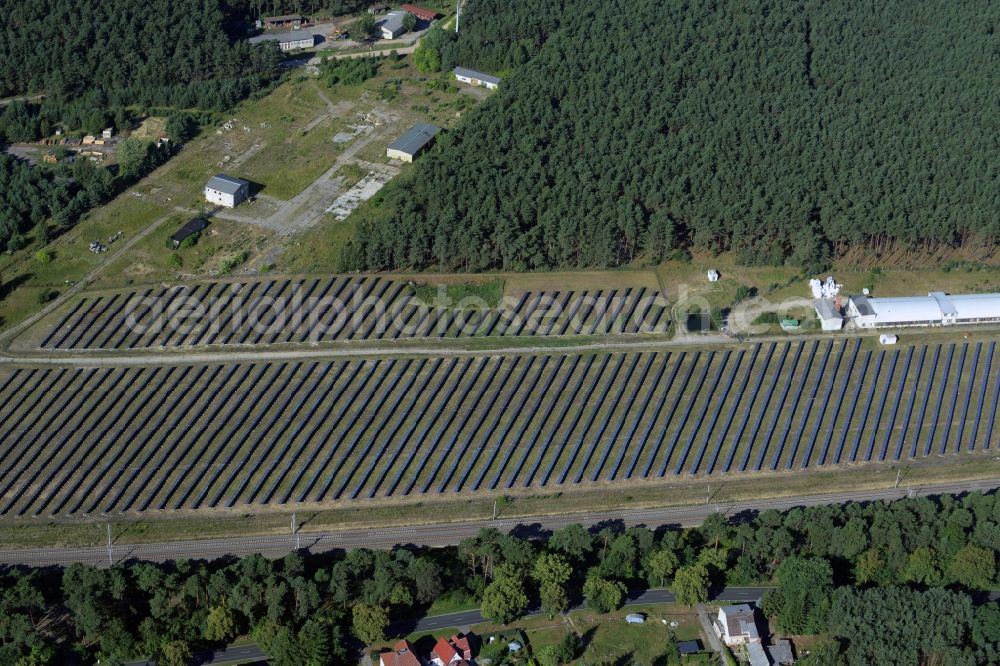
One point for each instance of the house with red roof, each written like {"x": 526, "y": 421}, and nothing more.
{"x": 403, "y": 654}
{"x": 443, "y": 653}
{"x": 462, "y": 646}
{"x": 454, "y": 652}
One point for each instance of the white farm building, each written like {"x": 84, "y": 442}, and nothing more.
{"x": 226, "y": 191}
{"x": 288, "y": 41}
{"x": 828, "y": 312}
{"x": 393, "y": 25}
{"x": 295, "y": 41}
{"x": 935, "y": 309}
{"x": 475, "y": 78}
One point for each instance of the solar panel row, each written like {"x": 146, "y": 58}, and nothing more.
{"x": 343, "y": 308}
{"x": 188, "y": 437}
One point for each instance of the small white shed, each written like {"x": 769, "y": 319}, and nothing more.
{"x": 713, "y": 275}
{"x": 888, "y": 338}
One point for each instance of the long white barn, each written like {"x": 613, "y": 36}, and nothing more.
{"x": 472, "y": 77}
{"x": 935, "y": 309}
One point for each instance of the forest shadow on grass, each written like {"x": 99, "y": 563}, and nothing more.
{"x": 626, "y": 659}
{"x": 586, "y": 638}
{"x": 7, "y": 287}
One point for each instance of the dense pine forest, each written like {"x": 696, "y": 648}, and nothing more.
{"x": 93, "y": 56}
{"x": 256, "y": 9}
{"x": 847, "y": 573}
{"x": 91, "y": 64}
{"x": 624, "y": 129}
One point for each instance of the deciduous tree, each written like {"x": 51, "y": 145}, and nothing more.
{"x": 973, "y": 566}
{"x": 504, "y": 599}
{"x": 603, "y": 595}
{"x": 369, "y": 623}
{"x": 551, "y": 572}
{"x": 691, "y": 584}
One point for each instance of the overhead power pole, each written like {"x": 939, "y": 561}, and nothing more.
{"x": 458, "y": 13}
{"x": 111, "y": 559}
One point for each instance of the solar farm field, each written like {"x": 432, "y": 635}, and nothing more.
{"x": 139, "y": 439}
{"x": 328, "y": 309}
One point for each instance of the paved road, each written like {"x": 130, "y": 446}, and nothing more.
{"x": 463, "y": 618}
{"x": 642, "y": 598}
{"x": 471, "y": 617}
{"x": 443, "y": 534}
{"x": 241, "y": 653}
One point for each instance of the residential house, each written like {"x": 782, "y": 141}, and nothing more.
{"x": 402, "y": 654}
{"x": 462, "y": 645}
{"x": 737, "y": 625}
{"x": 457, "y": 651}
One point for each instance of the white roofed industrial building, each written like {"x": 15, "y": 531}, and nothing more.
{"x": 295, "y": 40}
{"x": 904, "y": 311}
{"x": 976, "y": 307}
{"x": 393, "y": 25}
{"x": 935, "y": 309}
